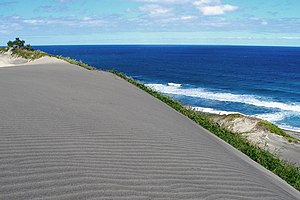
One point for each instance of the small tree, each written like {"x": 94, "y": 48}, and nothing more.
{"x": 10, "y": 44}
{"x": 20, "y": 44}
{"x": 28, "y": 47}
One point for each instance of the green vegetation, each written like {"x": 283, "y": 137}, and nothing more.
{"x": 19, "y": 44}
{"x": 274, "y": 129}
{"x": 3, "y": 50}
{"x": 76, "y": 62}
{"x": 30, "y": 55}
{"x": 265, "y": 125}
{"x": 287, "y": 171}
{"x": 19, "y": 49}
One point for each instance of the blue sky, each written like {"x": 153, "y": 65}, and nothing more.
{"x": 233, "y": 22}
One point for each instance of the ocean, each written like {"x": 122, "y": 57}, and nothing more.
{"x": 263, "y": 82}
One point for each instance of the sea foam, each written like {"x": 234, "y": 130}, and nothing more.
{"x": 213, "y": 111}
{"x": 275, "y": 116}
{"x": 174, "y": 84}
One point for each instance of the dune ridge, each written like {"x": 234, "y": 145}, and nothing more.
{"x": 69, "y": 133}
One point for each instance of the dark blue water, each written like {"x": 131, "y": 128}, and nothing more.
{"x": 256, "y": 81}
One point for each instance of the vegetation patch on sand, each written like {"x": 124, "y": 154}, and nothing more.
{"x": 35, "y": 54}
{"x": 239, "y": 123}
{"x": 29, "y": 55}
{"x": 274, "y": 129}
{"x": 3, "y": 50}
{"x": 18, "y": 48}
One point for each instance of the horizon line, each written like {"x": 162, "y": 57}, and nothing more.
{"x": 163, "y": 44}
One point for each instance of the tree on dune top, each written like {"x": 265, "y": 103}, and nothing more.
{"x": 19, "y": 44}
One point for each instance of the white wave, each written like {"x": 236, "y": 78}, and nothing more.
{"x": 213, "y": 111}
{"x": 277, "y": 116}
{"x": 174, "y": 84}
{"x": 272, "y": 117}
{"x": 225, "y": 97}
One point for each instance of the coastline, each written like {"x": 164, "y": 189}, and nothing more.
{"x": 292, "y": 133}
{"x": 262, "y": 133}
{"x": 292, "y": 130}
{"x": 174, "y": 105}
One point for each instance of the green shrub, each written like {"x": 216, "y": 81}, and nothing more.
{"x": 30, "y": 55}
{"x": 275, "y": 129}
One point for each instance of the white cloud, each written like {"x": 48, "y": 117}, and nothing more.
{"x": 155, "y": 10}
{"x": 290, "y": 38}
{"x": 264, "y": 22}
{"x": 34, "y": 21}
{"x": 206, "y": 7}
{"x": 213, "y": 7}
{"x": 65, "y": 1}
{"x": 217, "y": 10}
{"x": 206, "y": 2}
{"x": 92, "y": 22}
{"x": 165, "y": 1}
{"x": 84, "y": 22}
{"x": 187, "y": 17}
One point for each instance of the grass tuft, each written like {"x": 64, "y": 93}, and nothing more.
{"x": 3, "y": 50}
{"x": 275, "y": 129}
{"x": 29, "y": 55}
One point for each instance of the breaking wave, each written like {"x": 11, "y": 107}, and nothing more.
{"x": 213, "y": 111}
{"x": 174, "y": 84}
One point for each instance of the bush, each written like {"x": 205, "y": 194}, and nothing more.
{"x": 29, "y": 54}
{"x": 19, "y": 44}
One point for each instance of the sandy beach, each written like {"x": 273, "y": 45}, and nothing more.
{"x": 70, "y": 133}
{"x": 293, "y": 133}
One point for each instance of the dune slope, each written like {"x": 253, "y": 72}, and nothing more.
{"x": 6, "y": 59}
{"x": 69, "y": 133}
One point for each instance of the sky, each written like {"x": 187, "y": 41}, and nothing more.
{"x": 204, "y": 22}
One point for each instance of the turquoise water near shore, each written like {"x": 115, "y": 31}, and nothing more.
{"x": 257, "y": 81}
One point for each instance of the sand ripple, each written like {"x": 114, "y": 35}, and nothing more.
{"x": 68, "y": 133}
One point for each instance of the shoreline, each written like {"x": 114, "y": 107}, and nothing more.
{"x": 7, "y": 60}
{"x": 282, "y": 113}
{"x": 220, "y": 112}
{"x": 175, "y": 106}
{"x": 292, "y": 133}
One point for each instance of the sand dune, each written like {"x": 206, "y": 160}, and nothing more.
{"x": 69, "y": 133}
{"x": 7, "y": 60}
